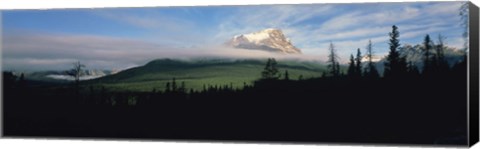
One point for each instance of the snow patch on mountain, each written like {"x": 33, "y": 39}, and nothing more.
{"x": 272, "y": 40}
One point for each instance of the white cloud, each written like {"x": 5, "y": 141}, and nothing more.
{"x": 149, "y": 19}
{"x": 445, "y": 8}
{"x": 35, "y": 51}
{"x": 342, "y": 22}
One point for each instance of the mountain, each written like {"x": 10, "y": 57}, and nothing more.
{"x": 272, "y": 40}
{"x": 197, "y": 73}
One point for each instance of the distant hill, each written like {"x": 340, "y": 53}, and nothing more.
{"x": 197, "y": 73}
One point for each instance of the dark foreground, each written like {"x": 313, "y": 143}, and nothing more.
{"x": 416, "y": 110}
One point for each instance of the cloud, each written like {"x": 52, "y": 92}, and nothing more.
{"x": 40, "y": 51}
{"x": 57, "y": 51}
{"x": 154, "y": 25}
{"x": 149, "y": 19}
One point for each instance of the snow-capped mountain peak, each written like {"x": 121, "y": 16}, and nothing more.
{"x": 270, "y": 39}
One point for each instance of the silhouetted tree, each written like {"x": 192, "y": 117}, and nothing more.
{"x": 358, "y": 64}
{"x": 351, "y": 66}
{"x": 439, "y": 60}
{"x": 76, "y": 72}
{"x": 182, "y": 87}
{"x": 371, "y": 70}
{"x": 439, "y": 53}
{"x": 395, "y": 65}
{"x": 21, "y": 81}
{"x": 333, "y": 61}
{"x": 270, "y": 71}
{"x": 174, "y": 85}
{"x": 191, "y": 91}
{"x": 337, "y": 71}
{"x": 286, "y": 75}
{"x": 168, "y": 88}
{"x": 427, "y": 61}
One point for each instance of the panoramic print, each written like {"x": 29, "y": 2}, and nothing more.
{"x": 388, "y": 73}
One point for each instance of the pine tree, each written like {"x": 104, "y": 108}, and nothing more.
{"x": 371, "y": 70}
{"x": 333, "y": 64}
{"x": 427, "y": 61}
{"x": 351, "y": 66}
{"x": 174, "y": 85}
{"x": 441, "y": 63}
{"x": 286, "y": 75}
{"x": 266, "y": 72}
{"x": 395, "y": 64}
{"x": 270, "y": 71}
{"x": 338, "y": 70}
{"x": 274, "y": 69}
{"x": 182, "y": 87}
{"x": 168, "y": 87}
{"x": 358, "y": 65}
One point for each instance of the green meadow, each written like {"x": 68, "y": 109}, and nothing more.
{"x": 199, "y": 73}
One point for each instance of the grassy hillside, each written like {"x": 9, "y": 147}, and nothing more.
{"x": 198, "y": 73}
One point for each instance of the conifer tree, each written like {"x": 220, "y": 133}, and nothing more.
{"x": 270, "y": 71}
{"x": 351, "y": 66}
{"x": 395, "y": 65}
{"x": 287, "y": 77}
{"x": 333, "y": 64}
{"x": 427, "y": 61}
{"x": 168, "y": 87}
{"x": 182, "y": 87}
{"x": 174, "y": 85}
{"x": 358, "y": 64}
{"x": 371, "y": 70}
{"x": 441, "y": 62}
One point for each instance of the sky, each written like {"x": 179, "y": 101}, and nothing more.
{"x": 119, "y": 38}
